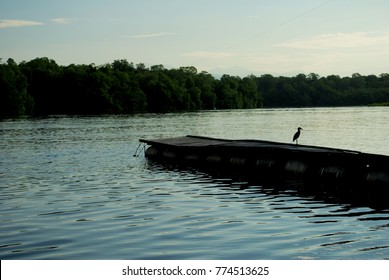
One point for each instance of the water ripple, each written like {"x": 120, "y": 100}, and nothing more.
{"x": 71, "y": 189}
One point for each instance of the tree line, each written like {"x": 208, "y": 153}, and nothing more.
{"x": 42, "y": 87}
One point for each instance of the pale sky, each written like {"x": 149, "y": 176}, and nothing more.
{"x": 236, "y": 37}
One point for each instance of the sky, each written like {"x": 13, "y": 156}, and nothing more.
{"x": 235, "y": 37}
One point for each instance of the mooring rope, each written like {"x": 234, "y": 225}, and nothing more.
{"x": 139, "y": 149}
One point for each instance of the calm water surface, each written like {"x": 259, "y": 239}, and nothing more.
{"x": 71, "y": 189}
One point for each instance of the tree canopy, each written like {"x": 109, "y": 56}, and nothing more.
{"x": 42, "y": 87}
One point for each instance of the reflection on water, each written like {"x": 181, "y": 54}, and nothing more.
{"x": 71, "y": 189}
{"x": 283, "y": 215}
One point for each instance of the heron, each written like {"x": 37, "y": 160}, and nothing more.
{"x": 297, "y": 135}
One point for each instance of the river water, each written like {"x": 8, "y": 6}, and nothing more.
{"x": 72, "y": 189}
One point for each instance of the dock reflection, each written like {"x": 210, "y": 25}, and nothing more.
{"x": 327, "y": 189}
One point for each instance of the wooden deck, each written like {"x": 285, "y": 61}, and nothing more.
{"x": 199, "y": 141}
{"x": 187, "y": 141}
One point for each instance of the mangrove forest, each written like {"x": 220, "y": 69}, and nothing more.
{"x": 42, "y": 87}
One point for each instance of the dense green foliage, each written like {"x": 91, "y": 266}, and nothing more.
{"x": 312, "y": 91}
{"x": 42, "y": 87}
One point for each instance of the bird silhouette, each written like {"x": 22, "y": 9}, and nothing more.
{"x": 297, "y": 135}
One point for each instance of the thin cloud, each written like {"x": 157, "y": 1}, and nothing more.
{"x": 341, "y": 40}
{"x": 8, "y": 23}
{"x": 62, "y": 20}
{"x": 150, "y": 35}
{"x": 214, "y": 55}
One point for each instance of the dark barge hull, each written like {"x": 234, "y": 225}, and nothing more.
{"x": 350, "y": 173}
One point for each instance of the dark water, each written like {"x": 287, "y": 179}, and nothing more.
{"x": 71, "y": 189}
